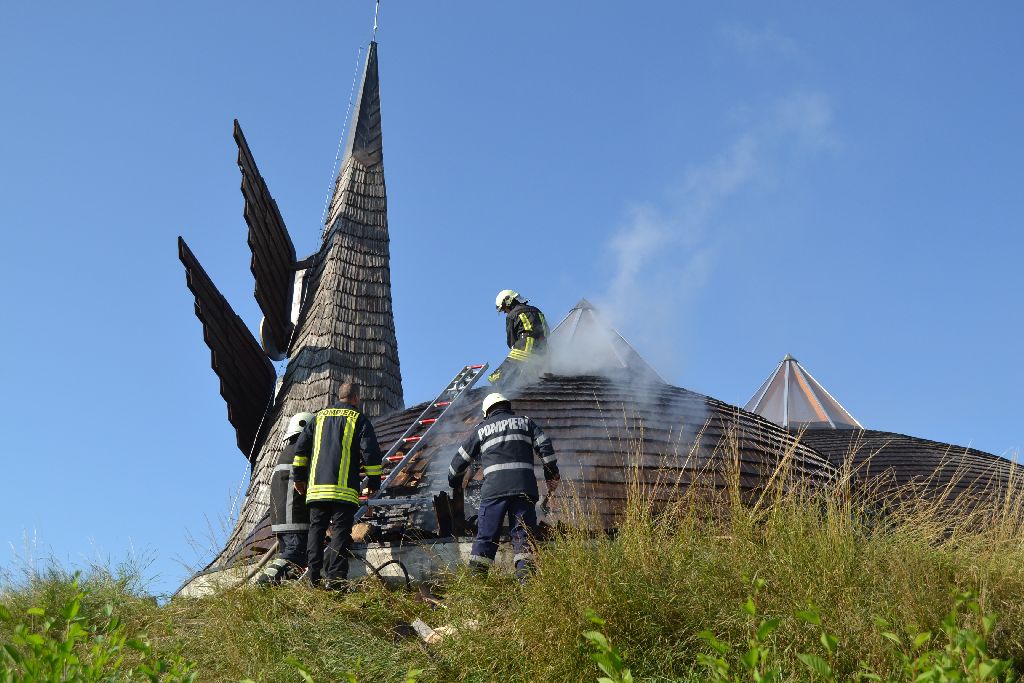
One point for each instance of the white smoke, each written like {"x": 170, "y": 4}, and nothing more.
{"x": 664, "y": 253}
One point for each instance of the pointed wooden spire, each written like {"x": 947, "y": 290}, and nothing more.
{"x": 346, "y": 328}
{"x": 359, "y": 188}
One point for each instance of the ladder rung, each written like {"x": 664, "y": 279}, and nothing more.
{"x": 463, "y": 380}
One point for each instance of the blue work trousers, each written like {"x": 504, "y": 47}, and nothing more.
{"x": 522, "y": 524}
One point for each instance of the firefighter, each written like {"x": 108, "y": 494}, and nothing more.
{"x": 289, "y": 518}
{"x": 505, "y": 444}
{"x": 526, "y": 333}
{"x": 328, "y": 456}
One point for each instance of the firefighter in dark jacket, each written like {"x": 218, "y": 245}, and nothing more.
{"x": 526, "y": 332}
{"x": 289, "y": 518}
{"x": 505, "y": 444}
{"x": 328, "y": 457}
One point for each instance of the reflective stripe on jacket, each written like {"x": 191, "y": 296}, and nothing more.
{"x": 505, "y": 444}
{"x": 526, "y": 331}
{"x": 288, "y": 511}
{"x": 330, "y": 451}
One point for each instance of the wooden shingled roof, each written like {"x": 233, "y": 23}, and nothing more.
{"x": 885, "y": 462}
{"x": 609, "y": 420}
{"x": 891, "y": 462}
{"x": 608, "y": 429}
{"x": 346, "y": 329}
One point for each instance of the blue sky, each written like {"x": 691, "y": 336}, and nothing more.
{"x": 731, "y": 182}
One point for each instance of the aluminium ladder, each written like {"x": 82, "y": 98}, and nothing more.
{"x": 413, "y": 438}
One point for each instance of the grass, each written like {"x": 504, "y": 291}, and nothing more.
{"x": 799, "y": 577}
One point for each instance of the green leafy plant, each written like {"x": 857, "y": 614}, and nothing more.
{"x": 605, "y": 655}
{"x": 754, "y": 662}
{"x": 818, "y": 666}
{"x": 68, "y": 647}
{"x": 963, "y": 657}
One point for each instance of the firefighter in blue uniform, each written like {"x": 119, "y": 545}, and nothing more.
{"x": 526, "y": 333}
{"x": 328, "y": 457}
{"x": 289, "y": 518}
{"x": 505, "y": 444}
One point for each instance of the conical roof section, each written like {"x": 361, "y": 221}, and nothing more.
{"x": 346, "y": 327}
{"x": 364, "y": 151}
{"x": 584, "y": 343}
{"x": 791, "y": 397}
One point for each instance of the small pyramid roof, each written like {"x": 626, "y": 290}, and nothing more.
{"x": 584, "y": 343}
{"x": 792, "y": 398}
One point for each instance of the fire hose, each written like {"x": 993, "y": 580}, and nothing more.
{"x": 374, "y": 569}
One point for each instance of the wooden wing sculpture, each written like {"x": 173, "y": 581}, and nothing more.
{"x": 247, "y": 376}
{"x": 273, "y": 254}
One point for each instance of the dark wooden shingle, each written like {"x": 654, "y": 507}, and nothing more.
{"x": 895, "y": 461}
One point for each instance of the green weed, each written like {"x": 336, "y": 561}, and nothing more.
{"x": 69, "y": 646}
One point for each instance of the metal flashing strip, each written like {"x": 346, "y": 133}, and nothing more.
{"x": 785, "y": 397}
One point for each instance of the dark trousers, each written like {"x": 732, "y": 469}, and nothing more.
{"x": 513, "y": 373}
{"x": 332, "y": 564}
{"x": 290, "y": 559}
{"x": 292, "y": 546}
{"x": 522, "y": 523}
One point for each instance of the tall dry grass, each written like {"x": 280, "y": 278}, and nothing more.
{"x": 672, "y": 570}
{"x": 856, "y": 552}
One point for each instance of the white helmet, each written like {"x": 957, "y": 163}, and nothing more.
{"x": 505, "y": 297}
{"x": 298, "y": 423}
{"x": 492, "y": 400}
